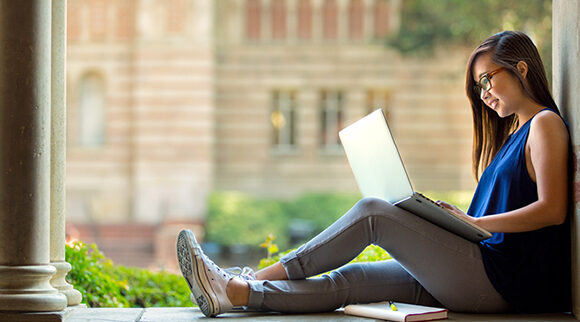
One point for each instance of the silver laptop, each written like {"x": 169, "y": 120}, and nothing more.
{"x": 379, "y": 172}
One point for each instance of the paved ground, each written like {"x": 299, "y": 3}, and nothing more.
{"x": 188, "y": 314}
{"x": 178, "y": 314}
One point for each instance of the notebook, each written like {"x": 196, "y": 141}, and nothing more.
{"x": 379, "y": 172}
{"x": 404, "y": 312}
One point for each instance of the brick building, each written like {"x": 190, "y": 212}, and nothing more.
{"x": 169, "y": 100}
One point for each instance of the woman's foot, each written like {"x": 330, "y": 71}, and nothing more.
{"x": 205, "y": 279}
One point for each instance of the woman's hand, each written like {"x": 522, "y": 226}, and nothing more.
{"x": 453, "y": 209}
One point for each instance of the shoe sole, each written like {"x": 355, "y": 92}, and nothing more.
{"x": 189, "y": 257}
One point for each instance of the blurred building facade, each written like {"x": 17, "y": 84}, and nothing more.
{"x": 169, "y": 100}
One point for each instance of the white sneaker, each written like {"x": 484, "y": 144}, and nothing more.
{"x": 206, "y": 280}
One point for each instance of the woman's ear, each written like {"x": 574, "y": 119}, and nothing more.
{"x": 522, "y": 68}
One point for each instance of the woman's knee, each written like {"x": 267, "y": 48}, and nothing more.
{"x": 371, "y": 205}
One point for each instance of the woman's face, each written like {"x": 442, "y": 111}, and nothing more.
{"x": 506, "y": 93}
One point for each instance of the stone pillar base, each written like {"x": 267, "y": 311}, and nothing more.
{"x": 58, "y": 281}
{"x": 27, "y": 288}
{"x": 58, "y": 316}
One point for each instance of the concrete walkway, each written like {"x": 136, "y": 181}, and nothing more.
{"x": 178, "y": 314}
{"x": 190, "y": 313}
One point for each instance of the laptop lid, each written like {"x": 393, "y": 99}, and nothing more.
{"x": 375, "y": 160}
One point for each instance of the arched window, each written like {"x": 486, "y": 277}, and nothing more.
{"x": 331, "y": 113}
{"x": 74, "y": 21}
{"x": 382, "y": 18}
{"x": 278, "y": 19}
{"x": 91, "y": 110}
{"x": 283, "y": 120}
{"x": 98, "y": 19}
{"x": 379, "y": 98}
{"x": 355, "y": 19}
{"x": 125, "y": 19}
{"x": 330, "y": 19}
{"x": 176, "y": 16}
{"x": 253, "y": 16}
{"x": 304, "y": 19}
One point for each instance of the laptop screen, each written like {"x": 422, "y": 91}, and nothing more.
{"x": 375, "y": 160}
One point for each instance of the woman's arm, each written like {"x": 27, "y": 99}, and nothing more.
{"x": 547, "y": 161}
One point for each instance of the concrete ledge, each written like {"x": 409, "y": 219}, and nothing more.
{"x": 190, "y": 313}
{"x": 38, "y": 316}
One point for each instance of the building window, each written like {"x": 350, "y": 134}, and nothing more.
{"x": 380, "y": 98}
{"x": 283, "y": 118}
{"x": 304, "y": 19}
{"x": 382, "y": 18}
{"x": 355, "y": 19}
{"x": 98, "y": 19}
{"x": 331, "y": 118}
{"x": 125, "y": 19}
{"x": 74, "y": 21}
{"x": 330, "y": 19}
{"x": 176, "y": 16}
{"x": 279, "y": 19}
{"x": 91, "y": 111}
{"x": 253, "y": 16}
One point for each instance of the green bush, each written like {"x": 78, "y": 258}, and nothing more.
{"x": 459, "y": 198}
{"x": 153, "y": 289}
{"x": 238, "y": 218}
{"x": 321, "y": 209}
{"x": 371, "y": 253}
{"x": 103, "y": 284}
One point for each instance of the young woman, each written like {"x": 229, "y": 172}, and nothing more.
{"x": 521, "y": 143}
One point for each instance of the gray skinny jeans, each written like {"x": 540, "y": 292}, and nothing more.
{"x": 431, "y": 267}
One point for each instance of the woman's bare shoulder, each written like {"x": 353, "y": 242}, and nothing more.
{"x": 549, "y": 125}
{"x": 548, "y": 120}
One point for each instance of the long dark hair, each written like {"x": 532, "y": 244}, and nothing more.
{"x": 489, "y": 130}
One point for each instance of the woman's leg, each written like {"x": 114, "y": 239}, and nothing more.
{"x": 447, "y": 266}
{"x": 352, "y": 283}
{"x": 273, "y": 272}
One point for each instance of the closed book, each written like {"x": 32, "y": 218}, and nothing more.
{"x": 404, "y": 312}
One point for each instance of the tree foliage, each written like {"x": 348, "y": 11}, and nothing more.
{"x": 429, "y": 24}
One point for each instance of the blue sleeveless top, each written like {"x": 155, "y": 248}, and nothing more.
{"x": 531, "y": 270}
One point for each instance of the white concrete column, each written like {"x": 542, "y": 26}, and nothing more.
{"x": 566, "y": 82}
{"x": 58, "y": 155}
{"x": 25, "y": 69}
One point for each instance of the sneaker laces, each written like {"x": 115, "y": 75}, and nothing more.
{"x": 245, "y": 273}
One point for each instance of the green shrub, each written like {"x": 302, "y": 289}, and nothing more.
{"x": 238, "y": 218}
{"x": 321, "y": 209}
{"x": 459, "y": 198}
{"x": 91, "y": 274}
{"x": 153, "y": 289}
{"x": 371, "y": 253}
{"x": 103, "y": 284}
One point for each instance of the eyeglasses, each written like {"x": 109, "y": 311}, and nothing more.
{"x": 484, "y": 83}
